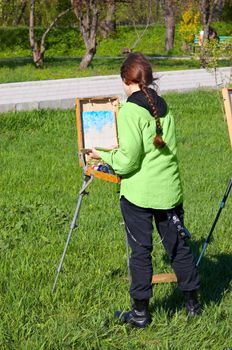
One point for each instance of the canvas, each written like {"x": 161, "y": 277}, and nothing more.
{"x": 96, "y": 120}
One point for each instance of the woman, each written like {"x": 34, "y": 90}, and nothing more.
{"x": 150, "y": 188}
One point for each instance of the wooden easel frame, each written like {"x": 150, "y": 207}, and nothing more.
{"x": 227, "y": 97}
{"x": 95, "y": 101}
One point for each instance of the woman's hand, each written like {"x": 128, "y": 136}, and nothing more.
{"x": 93, "y": 154}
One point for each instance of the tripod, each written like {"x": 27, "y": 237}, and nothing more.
{"x": 87, "y": 181}
{"x": 222, "y": 204}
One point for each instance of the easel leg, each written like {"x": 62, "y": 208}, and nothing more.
{"x": 82, "y": 193}
{"x": 222, "y": 204}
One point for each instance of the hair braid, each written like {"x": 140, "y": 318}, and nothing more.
{"x": 158, "y": 140}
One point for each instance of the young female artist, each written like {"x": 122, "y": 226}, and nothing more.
{"x": 150, "y": 188}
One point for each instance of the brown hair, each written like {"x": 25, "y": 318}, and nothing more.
{"x": 137, "y": 69}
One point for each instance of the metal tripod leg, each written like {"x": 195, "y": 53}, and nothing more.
{"x": 82, "y": 193}
{"x": 222, "y": 204}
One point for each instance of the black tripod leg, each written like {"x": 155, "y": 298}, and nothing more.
{"x": 82, "y": 193}
{"x": 222, "y": 204}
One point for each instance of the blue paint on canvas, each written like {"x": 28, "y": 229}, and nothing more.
{"x": 97, "y": 119}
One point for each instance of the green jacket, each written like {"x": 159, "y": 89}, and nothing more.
{"x": 149, "y": 176}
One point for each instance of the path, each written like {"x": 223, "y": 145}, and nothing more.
{"x": 61, "y": 93}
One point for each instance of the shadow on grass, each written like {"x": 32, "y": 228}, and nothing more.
{"x": 158, "y": 63}
{"x": 216, "y": 275}
{"x": 13, "y": 62}
{"x": 23, "y": 61}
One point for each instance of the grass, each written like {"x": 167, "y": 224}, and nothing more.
{"x": 68, "y": 67}
{"x": 40, "y": 179}
{"x": 58, "y": 68}
{"x": 65, "y": 49}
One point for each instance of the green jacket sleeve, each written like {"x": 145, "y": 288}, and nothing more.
{"x": 127, "y": 157}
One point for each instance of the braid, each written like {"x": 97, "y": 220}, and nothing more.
{"x": 158, "y": 141}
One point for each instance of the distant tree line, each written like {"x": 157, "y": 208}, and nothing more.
{"x": 102, "y": 17}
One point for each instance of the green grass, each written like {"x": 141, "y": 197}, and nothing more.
{"x": 59, "y": 68}
{"x": 40, "y": 179}
{"x": 65, "y": 49}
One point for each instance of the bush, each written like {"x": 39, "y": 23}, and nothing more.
{"x": 189, "y": 25}
{"x": 61, "y": 41}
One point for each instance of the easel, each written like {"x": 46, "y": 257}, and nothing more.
{"x": 227, "y": 97}
{"x": 88, "y": 176}
{"x": 87, "y": 179}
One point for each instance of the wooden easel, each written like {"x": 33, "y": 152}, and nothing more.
{"x": 227, "y": 97}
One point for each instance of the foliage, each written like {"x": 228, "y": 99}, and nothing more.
{"x": 61, "y": 41}
{"x": 212, "y": 51}
{"x": 189, "y": 25}
{"x": 223, "y": 28}
{"x": 40, "y": 178}
{"x": 46, "y": 11}
{"x": 227, "y": 11}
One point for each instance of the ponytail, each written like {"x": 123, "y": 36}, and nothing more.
{"x": 158, "y": 140}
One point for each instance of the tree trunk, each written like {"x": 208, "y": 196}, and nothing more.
{"x": 87, "y": 14}
{"x": 38, "y": 56}
{"x": 87, "y": 59}
{"x": 108, "y": 25}
{"x": 170, "y": 24}
{"x": 206, "y": 12}
{"x": 35, "y": 48}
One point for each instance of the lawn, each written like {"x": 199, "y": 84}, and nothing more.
{"x": 18, "y": 70}
{"x": 40, "y": 179}
{"x": 65, "y": 48}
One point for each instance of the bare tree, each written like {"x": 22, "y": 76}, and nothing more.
{"x": 38, "y": 47}
{"x": 87, "y": 13}
{"x": 169, "y": 16}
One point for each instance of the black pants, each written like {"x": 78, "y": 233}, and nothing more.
{"x": 139, "y": 230}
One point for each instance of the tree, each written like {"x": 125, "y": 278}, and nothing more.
{"x": 87, "y": 13}
{"x": 38, "y": 47}
{"x": 169, "y": 16}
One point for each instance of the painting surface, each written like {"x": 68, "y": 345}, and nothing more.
{"x": 99, "y": 129}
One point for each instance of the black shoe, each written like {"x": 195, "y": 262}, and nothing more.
{"x": 191, "y": 302}
{"x": 138, "y": 317}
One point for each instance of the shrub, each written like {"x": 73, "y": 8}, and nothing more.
{"x": 189, "y": 25}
